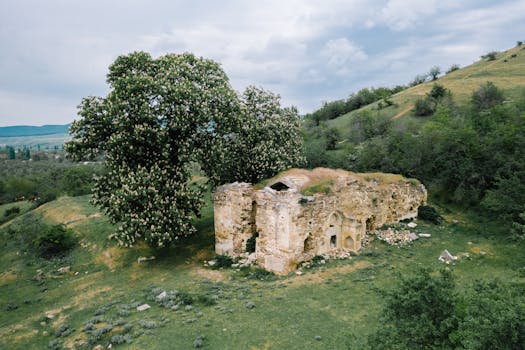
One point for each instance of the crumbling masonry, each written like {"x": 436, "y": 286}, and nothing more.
{"x": 301, "y": 213}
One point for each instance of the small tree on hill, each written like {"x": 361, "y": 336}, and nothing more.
{"x": 434, "y": 72}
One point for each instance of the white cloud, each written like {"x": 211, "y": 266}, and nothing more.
{"x": 341, "y": 54}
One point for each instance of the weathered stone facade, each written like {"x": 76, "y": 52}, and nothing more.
{"x": 302, "y": 213}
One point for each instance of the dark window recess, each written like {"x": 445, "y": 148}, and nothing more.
{"x": 279, "y": 186}
{"x": 333, "y": 241}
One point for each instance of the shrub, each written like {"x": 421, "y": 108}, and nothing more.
{"x": 438, "y": 91}
{"x": 428, "y": 213}
{"x": 120, "y": 339}
{"x": 54, "y": 240}
{"x": 452, "y": 68}
{"x": 223, "y": 261}
{"x": 519, "y": 43}
{"x": 487, "y": 96}
{"x": 12, "y": 211}
{"x": 491, "y": 56}
{"x": 419, "y": 79}
{"x": 424, "y": 107}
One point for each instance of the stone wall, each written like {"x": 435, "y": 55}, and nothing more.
{"x": 293, "y": 227}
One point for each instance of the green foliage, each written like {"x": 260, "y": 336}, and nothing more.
{"x": 332, "y": 110}
{"x": 424, "y": 107}
{"x": 430, "y": 214}
{"x": 492, "y": 316}
{"x": 487, "y": 96}
{"x": 322, "y": 186}
{"x": 434, "y": 72}
{"x": 452, "y": 68}
{"x": 424, "y": 311}
{"x": 161, "y": 117}
{"x": 223, "y": 261}
{"x": 54, "y": 241}
{"x": 267, "y": 140}
{"x": 418, "y": 313}
{"x": 491, "y": 56}
{"x": 419, "y": 79}
{"x": 12, "y": 211}
{"x": 428, "y": 105}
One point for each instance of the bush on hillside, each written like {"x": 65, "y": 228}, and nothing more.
{"x": 491, "y": 56}
{"x": 487, "y": 96}
{"x": 54, "y": 241}
{"x": 428, "y": 213}
{"x": 424, "y": 107}
{"x": 452, "y": 68}
{"x": 12, "y": 211}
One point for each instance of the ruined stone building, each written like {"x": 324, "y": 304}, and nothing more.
{"x": 300, "y": 213}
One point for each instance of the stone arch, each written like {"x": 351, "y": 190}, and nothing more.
{"x": 309, "y": 244}
{"x": 333, "y": 230}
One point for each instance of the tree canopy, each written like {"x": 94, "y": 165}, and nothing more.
{"x": 160, "y": 117}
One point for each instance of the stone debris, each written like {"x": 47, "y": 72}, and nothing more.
{"x": 161, "y": 296}
{"x": 39, "y": 275}
{"x": 424, "y": 235}
{"x": 394, "y": 237}
{"x": 143, "y": 307}
{"x": 250, "y": 305}
{"x": 446, "y": 257}
{"x": 412, "y": 225}
{"x": 145, "y": 258}
{"x": 64, "y": 270}
{"x": 413, "y": 236}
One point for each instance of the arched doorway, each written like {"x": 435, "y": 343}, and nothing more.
{"x": 333, "y": 230}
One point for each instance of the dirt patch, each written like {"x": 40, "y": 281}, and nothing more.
{"x": 320, "y": 276}
{"x": 110, "y": 257}
{"x": 403, "y": 112}
{"x": 213, "y": 275}
{"x": 7, "y": 277}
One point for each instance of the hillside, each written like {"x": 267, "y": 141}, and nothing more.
{"x": 327, "y": 307}
{"x": 26, "y": 130}
{"x": 507, "y": 72}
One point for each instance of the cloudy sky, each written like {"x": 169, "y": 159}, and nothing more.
{"x": 54, "y": 52}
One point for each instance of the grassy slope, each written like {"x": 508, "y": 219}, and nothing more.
{"x": 509, "y": 76}
{"x": 331, "y": 301}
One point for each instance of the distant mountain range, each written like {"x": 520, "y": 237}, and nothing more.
{"x": 26, "y": 130}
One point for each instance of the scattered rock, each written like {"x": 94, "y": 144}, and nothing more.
{"x": 199, "y": 341}
{"x": 394, "y": 237}
{"x": 98, "y": 347}
{"x": 161, "y": 296}
{"x": 64, "y": 270}
{"x": 318, "y": 338}
{"x": 413, "y": 236}
{"x": 145, "y": 258}
{"x": 143, "y": 307}
{"x": 455, "y": 222}
{"x": 39, "y": 277}
{"x": 412, "y": 225}
{"x": 212, "y": 262}
{"x": 188, "y": 308}
{"x": 45, "y": 333}
{"x": 446, "y": 257}
{"x": 250, "y": 305}
{"x": 298, "y": 272}
{"x": 424, "y": 235}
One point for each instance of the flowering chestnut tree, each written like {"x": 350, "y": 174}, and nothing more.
{"x": 161, "y": 116}
{"x": 268, "y": 139}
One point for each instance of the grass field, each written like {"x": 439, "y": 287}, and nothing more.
{"x": 337, "y": 302}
